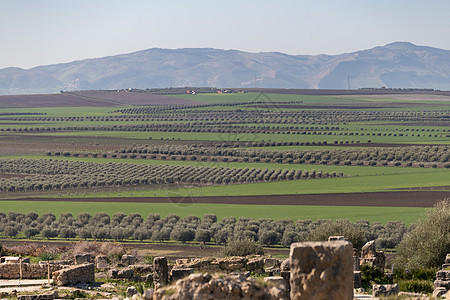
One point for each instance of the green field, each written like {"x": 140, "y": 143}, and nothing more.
{"x": 354, "y": 213}
{"x": 380, "y": 121}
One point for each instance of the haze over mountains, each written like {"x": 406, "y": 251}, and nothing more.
{"x": 396, "y": 65}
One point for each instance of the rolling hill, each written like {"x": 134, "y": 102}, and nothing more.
{"x": 396, "y": 65}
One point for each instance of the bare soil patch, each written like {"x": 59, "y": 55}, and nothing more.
{"x": 341, "y": 106}
{"x": 171, "y": 251}
{"x": 51, "y": 100}
{"x": 323, "y": 92}
{"x": 412, "y": 198}
{"x": 133, "y": 98}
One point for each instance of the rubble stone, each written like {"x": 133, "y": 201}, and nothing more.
{"x": 128, "y": 260}
{"x": 205, "y": 286}
{"x": 131, "y": 291}
{"x": 385, "y": 290}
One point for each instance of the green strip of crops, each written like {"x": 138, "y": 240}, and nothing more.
{"x": 373, "y": 214}
{"x": 190, "y": 136}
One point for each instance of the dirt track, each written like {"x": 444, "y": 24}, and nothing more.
{"x": 387, "y": 199}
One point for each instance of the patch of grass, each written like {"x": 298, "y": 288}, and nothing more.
{"x": 407, "y": 215}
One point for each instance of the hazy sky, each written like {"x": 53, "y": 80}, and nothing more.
{"x": 43, "y": 32}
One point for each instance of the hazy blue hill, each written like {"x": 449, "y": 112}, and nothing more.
{"x": 398, "y": 64}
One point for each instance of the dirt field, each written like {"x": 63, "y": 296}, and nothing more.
{"x": 323, "y": 92}
{"x": 422, "y": 198}
{"x": 88, "y": 98}
{"x": 51, "y": 100}
{"x": 342, "y": 106}
{"x": 133, "y": 98}
{"x": 171, "y": 251}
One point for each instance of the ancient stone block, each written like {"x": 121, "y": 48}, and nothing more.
{"x": 357, "y": 279}
{"x": 141, "y": 269}
{"x": 447, "y": 259}
{"x": 321, "y": 270}
{"x": 121, "y": 273}
{"x": 176, "y": 273}
{"x": 101, "y": 262}
{"x": 287, "y": 278}
{"x": 270, "y": 262}
{"x": 74, "y": 274}
{"x": 161, "y": 274}
{"x": 128, "y": 260}
{"x": 439, "y": 292}
{"x": 356, "y": 263}
{"x": 286, "y": 265}
{"x": 277, "y": 280}
{"x": 443, "y": 275}
{"x": 369, "y": 255}
{"x": 385, "y": 290}
{"x": 232, "y": 263}
{"x": 442, "y": 283}
{"x": 256, "y": 263}
{"x": 83, "y": 259}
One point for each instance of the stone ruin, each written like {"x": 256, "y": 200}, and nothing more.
{"x": 370, "y": 255}
{"x": 321, "y": 270}
{"x": 233, "y": 286}
{"x": 17, "y": 267}
{"x": 80, "y": 273}
{"x": 315, "y": 270}
{"x": 442, "y": 282}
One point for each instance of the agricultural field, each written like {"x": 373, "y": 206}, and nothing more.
{"x": 281, "y": 155}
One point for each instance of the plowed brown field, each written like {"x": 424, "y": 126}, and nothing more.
{"x": 386, "y": 199}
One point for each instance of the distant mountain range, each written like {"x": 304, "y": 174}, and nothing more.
{"x": 396, "y": 65}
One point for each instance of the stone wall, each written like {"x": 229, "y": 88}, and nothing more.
{"x": 231, "y": 287}
{"x": 75, "y": 274}
{"x": 29, "y": 271}
{"x": 257, "y": 264}
{"x": 442, "y": 282}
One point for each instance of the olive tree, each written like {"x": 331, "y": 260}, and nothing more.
{"x": 429, "y": 242}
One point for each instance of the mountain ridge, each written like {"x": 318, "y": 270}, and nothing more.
{"x": 395, "y": 65}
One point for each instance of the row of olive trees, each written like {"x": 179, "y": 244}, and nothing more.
{"x": 61, "y": 174}
{"x": 191, "y": 228}
{"x": 389, "y": 154}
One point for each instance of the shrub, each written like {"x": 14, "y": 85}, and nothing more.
{"x": 242, "y": 247}
{"x": 371, "y": 275}
{"x": 428, "y": 243}
{"x": 46, "y": 256}
{"x": 351, "y": 231}
{"x": 416, "y": 286}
